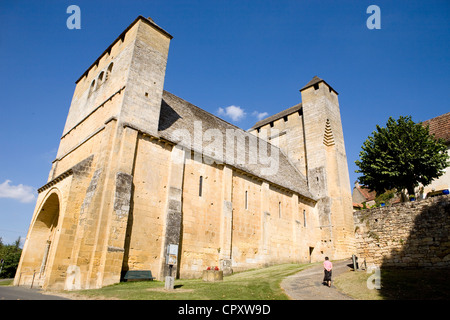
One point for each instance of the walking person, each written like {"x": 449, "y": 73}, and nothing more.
{"x": 327, "y": 266}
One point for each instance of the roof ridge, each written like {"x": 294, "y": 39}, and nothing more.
{"x": 312, "y": 82}
{"x": 220, "y": 119}
{"x": 440, "y": 116}
{"x": 203, "y": 110}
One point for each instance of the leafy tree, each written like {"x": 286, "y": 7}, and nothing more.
{"x": 401, "y": 155}
{"x": 11, "y": 256}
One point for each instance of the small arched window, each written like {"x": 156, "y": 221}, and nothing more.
{"x": 92, "y": 88}
{"x": 101, "y": 78}
{"x": 109, "y": 70}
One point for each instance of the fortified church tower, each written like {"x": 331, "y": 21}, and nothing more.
{"x": 310, "y": 134}
{"x": 84, "y": 229}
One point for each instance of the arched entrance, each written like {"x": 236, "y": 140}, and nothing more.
{"x": 39, "y": 243}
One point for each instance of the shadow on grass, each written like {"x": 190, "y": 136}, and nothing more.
{"x": 407, "y": 284}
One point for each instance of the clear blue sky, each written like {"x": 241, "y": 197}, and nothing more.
{"x": 251, "y": 54}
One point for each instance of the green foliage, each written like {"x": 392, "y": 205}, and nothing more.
{"x": 11, "y": 256}
{"x": 385, "y": 197}
{"x": 401, "y": 155}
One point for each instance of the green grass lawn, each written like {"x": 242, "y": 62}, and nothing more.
{"x": 258, "y": 284}
{"x": 6, "y": 282}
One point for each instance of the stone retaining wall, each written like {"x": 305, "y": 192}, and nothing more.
{"x": 411, "y": 234}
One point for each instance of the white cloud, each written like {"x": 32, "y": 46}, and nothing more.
{"x": 234, "y": 112}
{"x": 260, "y": 115}
{"x": 20, "y": 192}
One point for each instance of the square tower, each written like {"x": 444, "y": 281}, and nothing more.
{"x": 326, "y": 164}
{"x": 78, "y": 231}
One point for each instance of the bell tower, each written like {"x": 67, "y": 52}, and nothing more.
{"x": 326, "y": 165}
{"x": 78, "y": 234}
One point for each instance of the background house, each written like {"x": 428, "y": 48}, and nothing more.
{"x": 361, "y": 196}
{"x": 440, "y": 128}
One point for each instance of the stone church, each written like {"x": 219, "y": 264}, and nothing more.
{"x": 139, "y": 169}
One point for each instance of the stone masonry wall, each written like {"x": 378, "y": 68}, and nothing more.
{"x": 412, "y": 234}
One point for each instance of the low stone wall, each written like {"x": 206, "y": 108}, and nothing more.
{"x": 411, "y": 234}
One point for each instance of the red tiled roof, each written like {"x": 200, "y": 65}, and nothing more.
{"x": 440, "y": 126}
{"x": 357, "y": 205}
{"x": 369, "y": 195}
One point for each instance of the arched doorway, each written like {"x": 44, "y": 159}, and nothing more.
{"x": 37, "y": 252}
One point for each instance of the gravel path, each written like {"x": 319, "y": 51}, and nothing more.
{"x": 307, "y": 284}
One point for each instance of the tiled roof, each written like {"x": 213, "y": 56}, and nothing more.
{"x": 440, "y": 126}
{"x": 357, "y": 205}
{"x": 316, "y": 80}
{"x": 366, "y": 193}
{"x": 177, "y": 114}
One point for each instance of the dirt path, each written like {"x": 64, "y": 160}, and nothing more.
{"x": 307, "y": 284}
